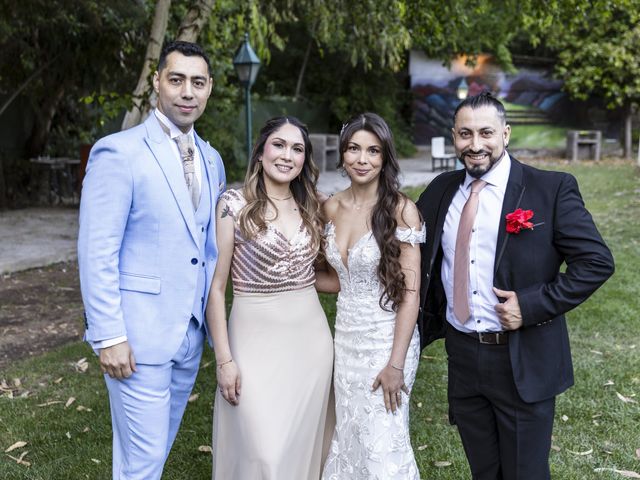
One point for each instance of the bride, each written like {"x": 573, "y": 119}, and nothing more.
{"x": 371, "y": 237}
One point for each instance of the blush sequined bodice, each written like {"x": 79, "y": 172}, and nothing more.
{"x": 269, "y": 262}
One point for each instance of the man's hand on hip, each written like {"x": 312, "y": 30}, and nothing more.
{"x": 508, "y": 312}
{"x": 118, "y": 361}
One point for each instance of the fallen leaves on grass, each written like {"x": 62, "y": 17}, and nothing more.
{"x": 422, "y": 447}
{"x": 81, "y": 365}
{"x": 49, "y": 403}
{"x": 625, "y": 399}
{"x": 622, "y": 473}
{"x": 13, "y": 390}
{"x": 69, "y": 402}
{"x": 564, "y": 418}
{"x": 15, "y": 446}
{"x": 583, "y": 453}
{"x": 608, "y": 383}
{"x": 205, "y": 449}
{"x": 442, "y": 463}
{"x": 20, "y": 460}
{"x": 193, "y": 397}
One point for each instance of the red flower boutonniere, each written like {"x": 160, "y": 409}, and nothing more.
{"x": 519, "y": 220}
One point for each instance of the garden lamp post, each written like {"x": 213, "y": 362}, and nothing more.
{"x": 247, "y": 64}
{"x": 463, "y": 89}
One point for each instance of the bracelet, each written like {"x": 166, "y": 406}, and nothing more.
{"x": 397, "y": 368}
{"x": 220, "y": 365}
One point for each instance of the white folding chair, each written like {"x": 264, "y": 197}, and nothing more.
{"x": 440, "y": 160}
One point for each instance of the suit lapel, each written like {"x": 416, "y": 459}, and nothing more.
{"x": 157, "y": 142}
{"x": 209, "y": 173}
{"x": 445, "y": 201}
{"x": 512, "y": 197}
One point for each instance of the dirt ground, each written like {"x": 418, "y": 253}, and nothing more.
{"x": 40, "y": 309}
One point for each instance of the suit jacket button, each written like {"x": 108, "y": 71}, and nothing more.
{"x": 194, "y": 261}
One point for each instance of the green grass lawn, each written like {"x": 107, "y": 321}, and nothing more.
{"x": 538, "y": 136}
{"x": 597, "y": 421}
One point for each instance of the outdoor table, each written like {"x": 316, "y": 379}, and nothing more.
{"x": 61, "y": 176}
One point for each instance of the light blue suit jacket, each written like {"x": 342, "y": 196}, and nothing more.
{"x": 137, "y": 248}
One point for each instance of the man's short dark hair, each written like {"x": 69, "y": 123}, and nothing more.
{"x": 188, "y": 49}
{"x": 484, "y": 99}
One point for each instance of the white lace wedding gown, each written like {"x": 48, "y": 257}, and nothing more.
{"x": 368, "y": 443}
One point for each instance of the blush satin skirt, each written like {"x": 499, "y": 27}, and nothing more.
{"x": 282, "y": 427}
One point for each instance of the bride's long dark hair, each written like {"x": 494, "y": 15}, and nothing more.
{"x": 390, "y": 199}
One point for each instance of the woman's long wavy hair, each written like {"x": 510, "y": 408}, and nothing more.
{"x": 252, "y": 218}
{"x": 383, "y": 216}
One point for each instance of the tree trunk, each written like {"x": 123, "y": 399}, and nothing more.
{"x": 43, "y": 120}
{"x": 154, "y": 47}
{"x": 195, "y": 20}
{"x": 3, "y": 189}
{"x": 302, "y": 69}
{"x": 34, "y": 75}
{"x": 627, "y": 133}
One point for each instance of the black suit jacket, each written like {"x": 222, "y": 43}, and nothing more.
{"x": 528, "y": 263}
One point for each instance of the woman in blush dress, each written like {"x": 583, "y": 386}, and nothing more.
{"x": 274, "y": 356}
{"x": 371, "y": 244}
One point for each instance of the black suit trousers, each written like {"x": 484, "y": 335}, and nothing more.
{"x": 504, "y": 437}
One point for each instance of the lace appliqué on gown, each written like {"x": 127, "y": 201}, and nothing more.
{"x": 368, "y": 443}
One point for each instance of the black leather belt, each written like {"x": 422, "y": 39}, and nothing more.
{"x": 490, "y": 338}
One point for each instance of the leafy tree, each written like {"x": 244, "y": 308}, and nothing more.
{"x": 597, "y": 43}
{"x": 58, "y": 51}
{"x": 52, "y": 53}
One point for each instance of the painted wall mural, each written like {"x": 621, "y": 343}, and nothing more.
{"x": 532, "y": 96}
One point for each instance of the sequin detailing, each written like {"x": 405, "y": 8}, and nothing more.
{"x": 368, "y": 443}
{"x": 269, "y": 263}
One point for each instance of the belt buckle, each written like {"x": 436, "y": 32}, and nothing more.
{"x": 488, "y": 338}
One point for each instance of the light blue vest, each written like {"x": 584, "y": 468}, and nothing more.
{"x": 203, "y": 217}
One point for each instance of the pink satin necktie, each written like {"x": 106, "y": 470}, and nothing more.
{"x": 461, "y": 258}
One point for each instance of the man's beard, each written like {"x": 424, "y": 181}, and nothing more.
{"x": 477, "y": 171}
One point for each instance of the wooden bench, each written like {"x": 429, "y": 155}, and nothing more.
{"x": 325, "y": 150}
{"x": 587, "y": 138}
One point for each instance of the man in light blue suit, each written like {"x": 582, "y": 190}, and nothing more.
{"x": 147, "y": 253}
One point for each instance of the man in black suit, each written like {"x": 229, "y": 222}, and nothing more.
{"x": 506, "y": 334}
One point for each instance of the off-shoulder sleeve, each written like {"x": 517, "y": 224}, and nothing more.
{"x": 411, "y": 235}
